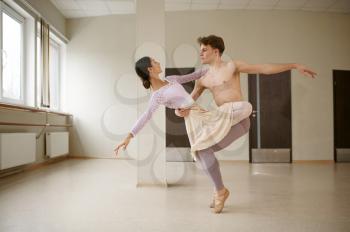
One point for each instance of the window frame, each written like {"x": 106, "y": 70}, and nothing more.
{"x": 9, "y": 11}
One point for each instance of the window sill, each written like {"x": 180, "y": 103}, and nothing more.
{"x": 31, "y": 109}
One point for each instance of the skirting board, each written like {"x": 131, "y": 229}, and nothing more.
{"x": 265, "y": 155}
{"x": 343, "y": 154}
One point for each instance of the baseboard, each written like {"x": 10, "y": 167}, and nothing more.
{"x": 294, "y": 161}
{"x": 234, "y": 161}
{"x": 314, "y": 161}
{"x": 30, "y": 167}
{"x": 162, "y": 185}
{"x": 93, "y": 157}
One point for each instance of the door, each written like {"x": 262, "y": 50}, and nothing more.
{"x": 177, "y": 143}
{"x": 341, "y": 92}
{"x": 271, "y": 130}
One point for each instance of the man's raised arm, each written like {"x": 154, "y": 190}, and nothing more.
{"x": 244, "y": 67}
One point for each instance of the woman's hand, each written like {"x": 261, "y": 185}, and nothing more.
{"x": 305, "y": 71}
{"x": 123, "y": 144}
{"x": 182, "y": 112}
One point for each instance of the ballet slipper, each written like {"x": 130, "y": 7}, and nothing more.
{"x": 219, "y": 201}
{"x": 212, "y": 203}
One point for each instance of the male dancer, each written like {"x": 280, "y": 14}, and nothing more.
{"x": 223, "y": 80}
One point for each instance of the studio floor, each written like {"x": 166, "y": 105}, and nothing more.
{"x": 100, "y": 195}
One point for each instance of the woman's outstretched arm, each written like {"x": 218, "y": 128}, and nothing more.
{"x": 188, "y": 77}
{"x": 140, "y": 123}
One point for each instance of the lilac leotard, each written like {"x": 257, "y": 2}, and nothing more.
{"x": 173, "y": 95}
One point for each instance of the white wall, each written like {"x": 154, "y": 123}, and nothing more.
{"x": 319, "y": 40}
{"x": 102, "y": 49}
{"x": 50, "y": 13}
{"x": 99, "y": 74}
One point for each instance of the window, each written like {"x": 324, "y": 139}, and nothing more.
{"x": 20, "y": 72}
{"x": 12, "y": 56}
{"x": 55, "y": 70}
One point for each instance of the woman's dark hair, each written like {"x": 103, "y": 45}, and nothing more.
{"x": 214, "y": 41}
{"x": 141, "y": 68}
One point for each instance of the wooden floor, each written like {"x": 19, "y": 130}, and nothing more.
{"x": 100, "y": 195}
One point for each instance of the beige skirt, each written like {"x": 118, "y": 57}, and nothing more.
{"x": 207, "y": 128}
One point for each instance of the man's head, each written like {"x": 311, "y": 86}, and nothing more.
{"x": 211, "y": 48}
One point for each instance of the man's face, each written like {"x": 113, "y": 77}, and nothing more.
{"x": 207, "y": 54}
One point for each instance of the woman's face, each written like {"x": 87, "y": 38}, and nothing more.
{"x": 155, "y": 69}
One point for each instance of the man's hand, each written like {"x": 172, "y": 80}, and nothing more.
{"x": 306, "y": 71}
{"x": 182, "y": 112}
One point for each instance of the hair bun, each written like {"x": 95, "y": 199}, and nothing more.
{"x": 146, "y": 84}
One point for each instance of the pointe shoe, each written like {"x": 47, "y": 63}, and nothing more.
{"x": 219, "y": 201}
{"x": 212, "y": 203}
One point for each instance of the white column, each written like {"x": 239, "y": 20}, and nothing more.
{"x": 150, "y": 41}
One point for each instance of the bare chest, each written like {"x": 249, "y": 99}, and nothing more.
{"x": 220, "y": 80}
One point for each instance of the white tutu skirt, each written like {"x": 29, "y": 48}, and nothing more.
{"x": 207, "y": 128}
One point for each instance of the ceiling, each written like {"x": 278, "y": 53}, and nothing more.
{"x": 89, "y": 8}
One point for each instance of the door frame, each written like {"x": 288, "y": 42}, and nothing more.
{"x": 335, "y": 158}
{"x": 250, "y": 90}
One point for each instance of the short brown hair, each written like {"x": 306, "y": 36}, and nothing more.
{"x": 214, "y": 41}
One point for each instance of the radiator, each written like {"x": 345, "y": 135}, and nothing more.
{"x": 57, "y": 143}
{"x": 17, "y": 149}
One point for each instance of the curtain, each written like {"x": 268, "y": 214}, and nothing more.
{"x": 45, "y": 65}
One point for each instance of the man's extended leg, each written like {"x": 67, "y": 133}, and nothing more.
{"x": 235, "y": 133}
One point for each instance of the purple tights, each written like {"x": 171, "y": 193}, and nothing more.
{"x": 207, "y": 157}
